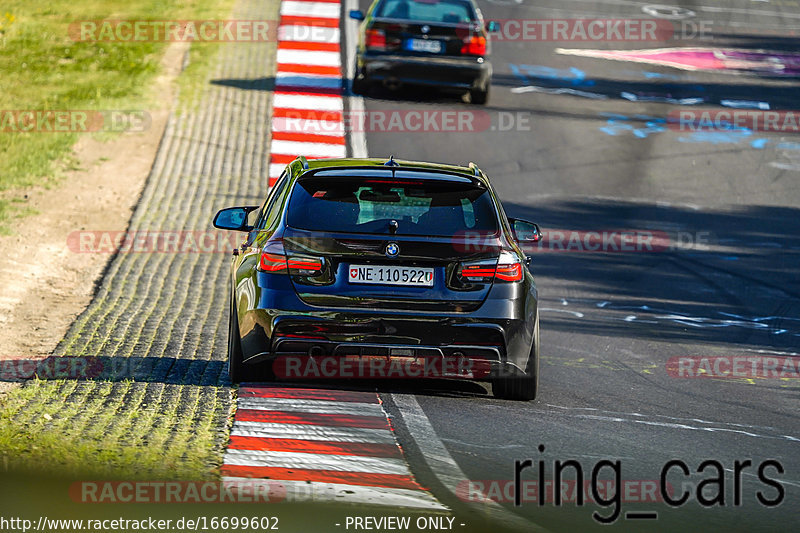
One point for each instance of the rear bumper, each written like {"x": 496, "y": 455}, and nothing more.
{"x": 449, "y": 73}
{"x": 499, "y": 333}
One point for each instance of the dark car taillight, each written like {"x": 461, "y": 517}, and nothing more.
{"x": 375, "y": 39}
{"x": 507, "y": 268}
{"x": 474, "y": 46}
{"x": 273, "y": 260}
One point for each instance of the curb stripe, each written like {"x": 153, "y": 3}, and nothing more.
{"x": 314, "y": 419}
{"x": 319, "y": 446}
{"x": 311, "y": 149}
{"x": 311, "y": 9}
{"x": 308, "y": 114}
{"x": 291, "y": 20}
{"x": 315, "y": 127}
{"x": 311, "y": 406}
{"x": 317, "y": 91}
{"x": 300, "y": 68}
{"x": 323, "y": 46}
{"x": 295, "y": 20}
{"x": 316, "y": 461}
{"x": 311, "y": 137}
{"x": 310, "y": 432}
{"x": 326, "y": 476}
{"x": 310, "y": 100}
{"x": 314, "y": 491}
{"x": 308, "y": 57}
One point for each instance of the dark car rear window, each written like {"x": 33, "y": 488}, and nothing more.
{"x": 420, "y": 207}
{"x": 447, "y": 11}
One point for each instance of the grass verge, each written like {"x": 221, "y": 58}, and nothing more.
{"x": 45, "y": 69}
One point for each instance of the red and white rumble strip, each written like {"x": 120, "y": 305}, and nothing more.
{"x": 321, "y": 445}
{"x": 308, "y": 82}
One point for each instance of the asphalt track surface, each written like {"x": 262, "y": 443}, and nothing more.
{"x": 611, "y": 321}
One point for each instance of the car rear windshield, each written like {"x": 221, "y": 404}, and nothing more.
{"x": 419, "y": 207}
{"x": 445, "y": 11}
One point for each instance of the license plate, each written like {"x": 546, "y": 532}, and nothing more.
{"x": 424, "y": 45}
{"x": 391, "y": 275}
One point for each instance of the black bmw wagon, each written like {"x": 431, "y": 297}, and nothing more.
{"x": 374, "y": 259}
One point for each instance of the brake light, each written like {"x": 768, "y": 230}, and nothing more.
{"x": 375, "y": 39}
{"x": 305, "y": 265}
{"x": 474, "y": 46}
{"x": 507, "y": 268}
{"x": 273, "y": 260}
{"x": 275, "y": 263}
{"x": 509, "y": 271}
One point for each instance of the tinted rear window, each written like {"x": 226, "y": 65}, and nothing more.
{"x": 369, "y": 205}
{"x": 447, "y": 11}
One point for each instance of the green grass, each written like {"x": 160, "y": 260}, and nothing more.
{"x": 108, "y": 430}
{"x": 43, "y": 68}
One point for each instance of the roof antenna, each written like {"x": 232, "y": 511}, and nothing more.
{"x": 391, "y": 162}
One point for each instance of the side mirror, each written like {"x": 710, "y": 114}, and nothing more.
{"x": 355, "y": 14}
{"x": 525, "y": 232}
{"x": 492, "y": 26}
{"x": 234, "y": 218}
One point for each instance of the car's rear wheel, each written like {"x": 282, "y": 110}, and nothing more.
{"x": 522, "y": 388}
{"x": 360, "y": 85}
{"x": 479, "y": 96}
{"x": 235, "y": 365}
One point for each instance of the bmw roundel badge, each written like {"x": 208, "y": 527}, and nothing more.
{"x": 392, "y": 249}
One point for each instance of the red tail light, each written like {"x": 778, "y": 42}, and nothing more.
{"x": 508, "y": 268}
{"x": 509, "y": 271}
{"x": 273, "y": 260}
{"x": 474, "y": 46}
{"x": 275, "y": 263}
{"x": 375, "y": 39}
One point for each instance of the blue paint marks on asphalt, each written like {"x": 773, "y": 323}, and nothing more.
{"x": 531, "y": 73}
{"x": 717, "y": 137}
{"x": 621, "y": 124}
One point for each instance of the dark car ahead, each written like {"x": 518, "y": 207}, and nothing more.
{"x": 404, "y": 261}
{"x": 441, "y": 43}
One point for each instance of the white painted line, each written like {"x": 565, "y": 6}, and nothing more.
{"x": 309, "y": 57}
{"x": 308, "y": 149}
{"x": 304, "y": 101}
{"x": 312, "y": 34}
{"x": 310, "y": 9}
{"x": 312, "y": 406}
{"x": 446, "y": 469}
{"x": 291, "y": 79}
{"x": 316, "y": 491}
{"x": 311, "y": 432}
{"x": 302, "y": 125}
{"x": 317, "y": 461}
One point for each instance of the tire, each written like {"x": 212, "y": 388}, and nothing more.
{"x": 235, "y": 365}
{"x": 478, "y": 96}
{"x": 522, "y": 388}
{"x": 360, "y": 85}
